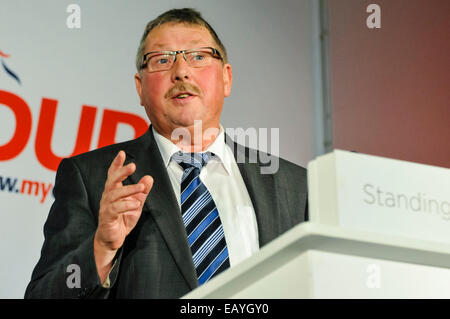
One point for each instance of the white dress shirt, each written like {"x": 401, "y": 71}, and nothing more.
{"x": 223, "y": 179}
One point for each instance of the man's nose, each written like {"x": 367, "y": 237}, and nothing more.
{"x": 180, "y": 70}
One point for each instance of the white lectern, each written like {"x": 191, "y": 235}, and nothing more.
{"x": 322, "y": 261}
{"x": 379, "y": 228}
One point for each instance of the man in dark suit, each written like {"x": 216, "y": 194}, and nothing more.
{"x": 119, "y": 226}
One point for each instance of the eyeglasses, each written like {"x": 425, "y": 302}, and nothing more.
{"x": 164, "y": 60}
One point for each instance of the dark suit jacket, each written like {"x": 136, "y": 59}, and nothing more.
{"x": 155, "y": 260}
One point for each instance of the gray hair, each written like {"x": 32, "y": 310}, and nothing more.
{"x": 186, "y": 15}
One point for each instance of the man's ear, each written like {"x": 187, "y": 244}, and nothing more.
{"x": 227, "y": 79}
{"x": 137, "y": 81}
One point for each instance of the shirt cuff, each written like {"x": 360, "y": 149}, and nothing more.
{"x": 107, "y": 283}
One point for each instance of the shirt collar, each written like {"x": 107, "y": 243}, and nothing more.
{"x": 167, "y": 148}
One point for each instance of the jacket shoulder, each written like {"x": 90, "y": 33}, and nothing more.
{"x": 104, "y": 156}
{"x": 104, "y": 152}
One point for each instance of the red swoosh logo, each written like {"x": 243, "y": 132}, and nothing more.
{"x": 4, "y": 54}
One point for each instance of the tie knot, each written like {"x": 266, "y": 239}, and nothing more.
{"x": 187, "y": 160}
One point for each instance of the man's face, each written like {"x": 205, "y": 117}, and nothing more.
{"x": 159, "y": 92}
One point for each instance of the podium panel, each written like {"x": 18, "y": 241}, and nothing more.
{"x": 377, "y": 194}
{"x": 323, "y": 261}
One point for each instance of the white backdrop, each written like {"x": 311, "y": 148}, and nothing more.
{"x": 271, "y": 49}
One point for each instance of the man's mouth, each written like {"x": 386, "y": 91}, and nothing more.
{"x": 182, "y": 95}
{"x": 181, "y": 91}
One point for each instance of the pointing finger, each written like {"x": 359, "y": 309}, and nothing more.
{"x": 117, "y": 161}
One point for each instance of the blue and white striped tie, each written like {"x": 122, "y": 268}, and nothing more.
{"x": 201, "y": 218}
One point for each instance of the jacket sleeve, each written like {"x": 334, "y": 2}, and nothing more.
{"x": 66, "y": 268}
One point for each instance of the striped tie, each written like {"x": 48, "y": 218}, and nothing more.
{"x": 200, "y": 217}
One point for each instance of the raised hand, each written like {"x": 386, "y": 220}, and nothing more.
{"x": 120, "y": 210}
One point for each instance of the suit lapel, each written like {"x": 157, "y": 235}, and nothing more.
{"x": 162, "y": 204}
{"x": 261, "y": 189}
